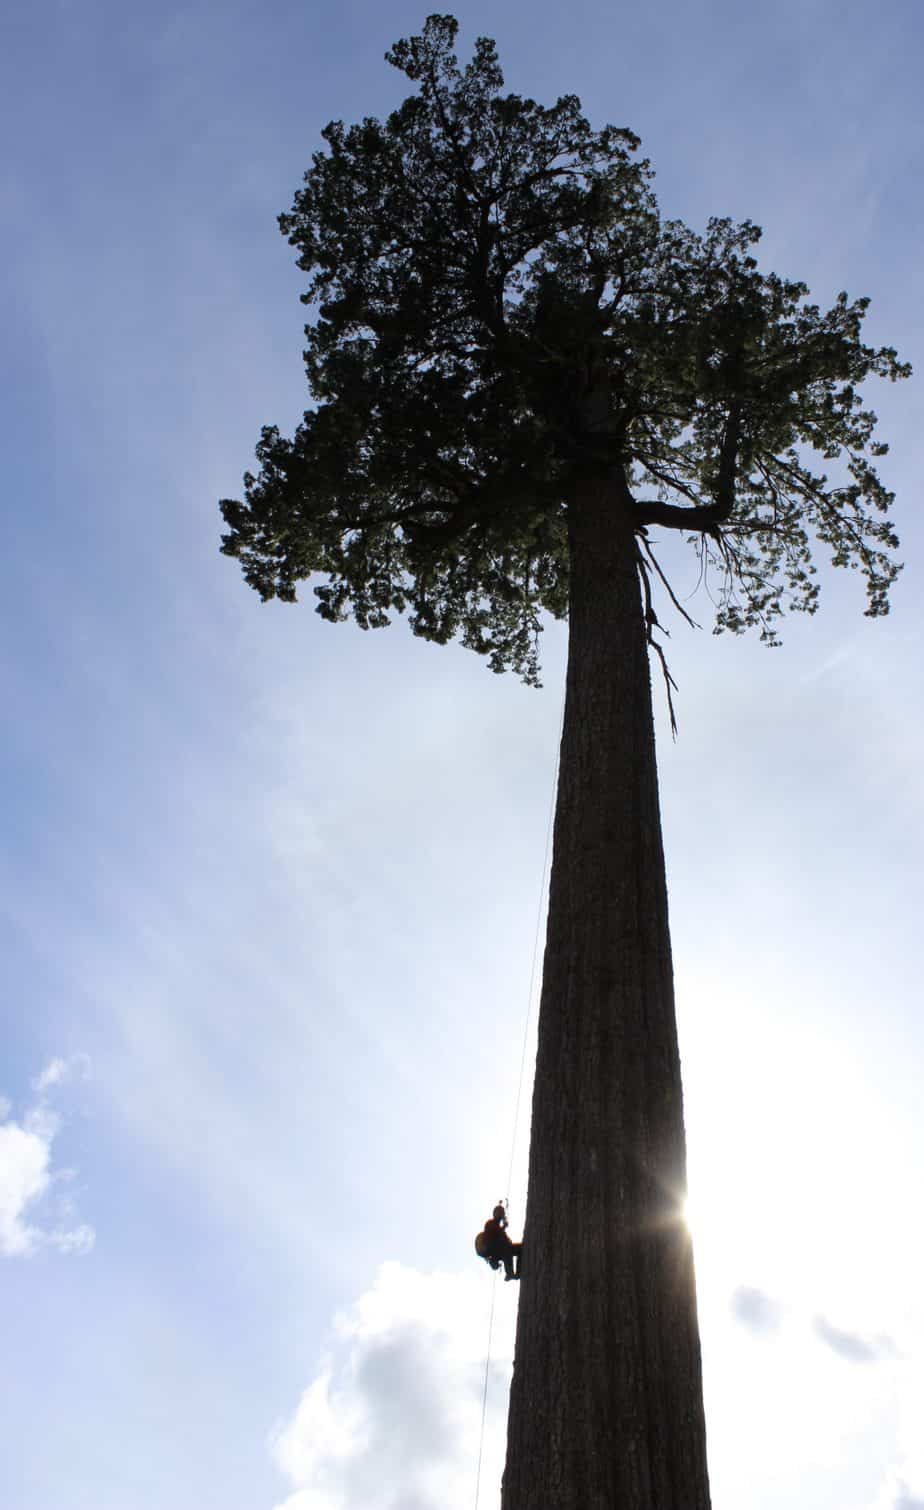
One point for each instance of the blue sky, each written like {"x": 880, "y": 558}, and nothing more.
{"x": 269, "y": 889}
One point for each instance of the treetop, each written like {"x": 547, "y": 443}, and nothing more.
{"x": 500, "y": 313}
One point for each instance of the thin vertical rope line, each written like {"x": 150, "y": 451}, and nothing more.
{"x": 516, "y": 1114}
{"x": 484, "y": 1397}
{"x": 532, "y": 973}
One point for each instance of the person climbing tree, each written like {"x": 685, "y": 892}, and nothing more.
{"x": 494, "y": 1245}
{"x": 522, "y": 379}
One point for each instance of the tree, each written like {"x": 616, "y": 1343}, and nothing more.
{"x": 519, "y": 371}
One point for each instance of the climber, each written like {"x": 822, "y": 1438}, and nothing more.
{"x": 495, "y": 1247}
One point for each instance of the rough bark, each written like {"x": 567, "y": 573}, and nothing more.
{"x": 606, "y": 1407}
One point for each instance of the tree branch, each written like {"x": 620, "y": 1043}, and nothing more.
{"x": 706, "y": 518}
{"x": 646, "y": 547}
{"x": 651, "y": 624}
{"x": 674, "y": 516}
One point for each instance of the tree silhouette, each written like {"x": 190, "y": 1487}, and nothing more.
{"x": 519, "y": 371}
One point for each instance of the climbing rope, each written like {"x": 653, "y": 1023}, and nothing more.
{"x": 484, "y": 1394}
{"x": 536, "y": 936}
{"x": 516, "y": 1113}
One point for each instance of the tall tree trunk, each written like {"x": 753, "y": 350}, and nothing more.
{"x": 606, "y": 1409}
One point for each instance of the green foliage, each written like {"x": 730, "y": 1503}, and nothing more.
{"x": 500, "y": 312}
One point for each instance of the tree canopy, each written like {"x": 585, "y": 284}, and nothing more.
{"x": 499, "y": 310}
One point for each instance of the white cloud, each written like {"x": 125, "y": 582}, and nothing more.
{"x": 58, "y": 1070}
{"x": 53, "y": 1073}
{"x": 853, "y": 1346}
{"x": 76, "y": 1240}
{"x": 26, "y": 1175}
{"x": 908, "y": 1478}
{"x": 24, "y": 1178}
{"x": 393, "y": 1414}
{"x": 755, "y": 1309}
